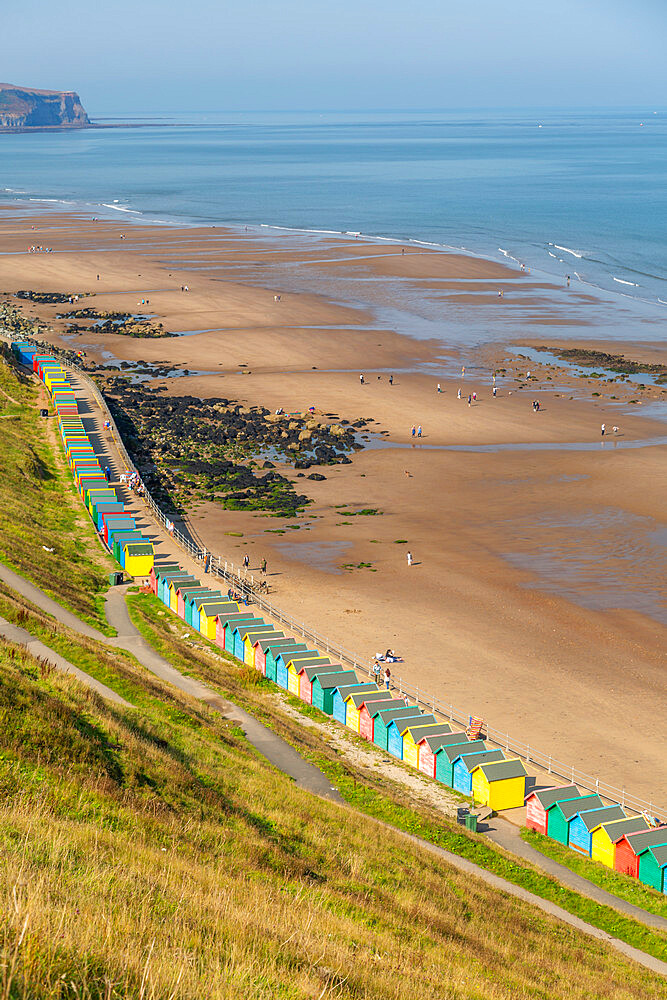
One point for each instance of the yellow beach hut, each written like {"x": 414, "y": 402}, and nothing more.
{"x": 174, "y": 586}
{"x": 249, "y": 641}
{"x": 499, "y": 784}
{"x": 414, "y": 734}
{"x": 354, "y": 702}
{"x": 605, "y": 837}
{"x": 139, "y": 558}
{"x": 295, "y": 666}
{"x": 209, "y": 612}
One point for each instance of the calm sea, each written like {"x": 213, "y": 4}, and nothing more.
{"x": 582, "y": 193}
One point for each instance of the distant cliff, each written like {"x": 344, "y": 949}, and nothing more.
{"x": 25, "y": 107}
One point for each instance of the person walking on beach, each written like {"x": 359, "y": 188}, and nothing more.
{"x": 414, "y": 430}
{"x": 246, "y": 561}
{"x": 391, "y": 380}
{"x": 602, "y": 430}
{"x": 463, "y": 371}
{"x": 409, "y": 558}
{"x": 495, "y": 390}
{"x": 469, "y": 400}
{"x": 458, "y": 394}
{"x": 387, "y": 677}
{"x": 263, "y": 567}
{"x": 377, "y": 673}
{"x": 419, "y": 431}
{"x": 568, "y": 280}
{"x": 439, "y": 389}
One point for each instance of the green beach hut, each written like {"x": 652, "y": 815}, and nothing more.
{"x": 324, "y": 685}
{"x": 561, "y": 814}
{"x": 653, "y": 865}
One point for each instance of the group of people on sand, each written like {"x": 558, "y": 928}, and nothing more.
{"x": 35, "y": 249}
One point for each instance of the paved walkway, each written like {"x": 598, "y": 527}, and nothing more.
{"x": 286, "y": 759}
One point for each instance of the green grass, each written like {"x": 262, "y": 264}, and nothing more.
{"x": 150, "y": 852}
{"x": 630, "y": 889}
{"x": 368, "y": 792}
{"x": 40, "y": 508}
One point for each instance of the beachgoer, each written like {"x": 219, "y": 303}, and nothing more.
{"x": 615, "y": 429}
{"x": 469, "y": 400}
{"x": 463, "y": 371}
{"x": 361, "y": 379}
{"x": 474, "y": 396}
{"x": 419, "y": 431}
{"x": 602, "y": 429}
{"x": 377, "y": 673}
{"x": 439, "y": 389}
{"x": 391, "y": 380}
{"x": 388, "y": 654}
{"x": 568, "y": 281}
{"x": 409, "y": 557}
{"x": 458, "y": 394}
{"x": 413, "y": 430}
{"x": 387, "y": 677}
{"x": 495, "y": 390}
{"x": 263, "y": 567}
{"x": 246, "y": 561}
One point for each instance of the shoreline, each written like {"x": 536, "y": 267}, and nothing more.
{"x": 477, "y": 606}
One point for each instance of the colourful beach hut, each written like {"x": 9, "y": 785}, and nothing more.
{"x": 294, "y": 668}
{"x": 165, "y": 580}
{"x": 175, "y": 585}
{"x": 339, "y": 703}
{"x": 357, "y": 699}
{"x": 261, "y": 646}
{"x": 560, "y": 815}
{"x": 413, "y": 735}
{"x": 243, "y": 629}
{"x": 230, "y": 622}
{"x": 307, "y": 671}
{"x": 397, "y": 727}
{"x": 428, "y": 745}
{"x": 605, "y": 836}
{"x": 446, "y": 753}
{"x": 157, "y": 569}
{"x": 370, "y": 708}
{"x": 307, "y": 656}
{"x": 583, "y": 824}
{"x": 631, "y": 845}
{"x": 138, "y": 558}
{"x": 324, "y": 685}
{"x": 249, "y": 643}
{"x": 209, "y": 612}
{"x": 100, "y": 507}
{"x": 382, "y": 720}
{"x": 466, "y": 763}
{"x": 537, "y": 803}
{"x": 499, "y": 784}
{"x": 183, "y": 591}
{"x": 272, "y": 652}
{"x": 652, "y": 867}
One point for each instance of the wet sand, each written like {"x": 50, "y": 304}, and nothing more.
{"x": 537, "y": 598}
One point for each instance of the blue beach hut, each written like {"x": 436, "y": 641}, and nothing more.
{"x": 585, "y": 821}
{"x": 465, "y": 764}
{"x": 397, "y": 727}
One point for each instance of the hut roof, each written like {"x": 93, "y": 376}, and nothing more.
{"x": 333, "y": 680}
{"x": 400, "y": 711}
{"x": 436, "y": 740}
{"x": 315, "y": 660}
{"x": 362, "y": 688}
{"x": 366, "y": 694}
{"x": 573, "y": 806}
{"x": 471, "y": 760}
{"x": 659, "y": 852}
{"x": 617, "y": 828}
{"x": 139, "y": 548}
{"x": 418, "y": 729}
{"x": 501, "y": 770}
{"x": 647, "y": 838}
{"x": 454, "y": 750}
{"x": 593, "y": 817}
{"x": 548, "y": 796}
{"x": 403, "y": 723}
{"x": 310, "y": 670}
{"x": 210, "y": 597}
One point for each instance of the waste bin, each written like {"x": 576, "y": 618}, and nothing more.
{"x": 471, "y": 822}
{"x": 43, "y": 413}
{"x": 115, "y": 579}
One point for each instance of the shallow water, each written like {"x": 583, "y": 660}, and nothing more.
{"x": 601, "y": 559}
{"x": 606, "y": 444}
{"x": 325, "y": 556}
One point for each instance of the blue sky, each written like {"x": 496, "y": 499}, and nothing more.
{"x": 134, "y": 56}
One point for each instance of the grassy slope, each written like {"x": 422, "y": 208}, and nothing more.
{"x": 150, "y": 852}
{"x": 39, "y": 507}
{"x": 620, "y": 885}
{"x": 366, "y": 790}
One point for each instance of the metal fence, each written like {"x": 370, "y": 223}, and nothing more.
{"x": 245, "y": 584}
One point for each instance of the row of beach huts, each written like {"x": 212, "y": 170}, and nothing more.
{"x": 462, "y": 761}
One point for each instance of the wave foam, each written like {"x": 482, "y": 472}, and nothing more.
{"x": 574, "y": 253}
{"x": 622, "y": 282}
{"x": 119, "y": 208}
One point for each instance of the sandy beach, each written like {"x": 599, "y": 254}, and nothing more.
{"x": 537, "y": 596}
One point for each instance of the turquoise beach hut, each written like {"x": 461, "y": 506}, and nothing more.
{"x": 274, "y": 651}
{"x": 382, "y": 720}
{"x": 446, "y": 754}
{"x": 339, "y": 704}
{"x": 324, "y": 685}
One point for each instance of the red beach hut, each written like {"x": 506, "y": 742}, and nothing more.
{"x": 538, "y": 802}
{"x": 631, "y": 845}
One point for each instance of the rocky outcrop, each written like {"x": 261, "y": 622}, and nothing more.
{"x": 25, "y": 107}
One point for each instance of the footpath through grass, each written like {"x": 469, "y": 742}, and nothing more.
{"x": 365, "y": 789}
{"x": 151, "y": 852}
{"x": 630, "y": 889}
{"x": 40, "y": 509}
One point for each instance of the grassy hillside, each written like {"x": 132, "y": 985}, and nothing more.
{"x": 150, "y": 852}
{"x": 39, "y": 506}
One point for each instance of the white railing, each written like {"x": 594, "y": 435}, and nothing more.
{"x": 244, "y": 583}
